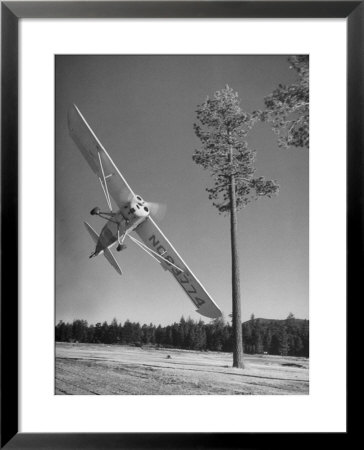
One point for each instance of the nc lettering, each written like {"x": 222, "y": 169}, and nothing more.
{"x": 181, "y": 277}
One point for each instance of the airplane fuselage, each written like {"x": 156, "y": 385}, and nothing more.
{"x": 129, "y": 217}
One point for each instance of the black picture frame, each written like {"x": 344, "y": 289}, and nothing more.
{"x": 11, "y": 12}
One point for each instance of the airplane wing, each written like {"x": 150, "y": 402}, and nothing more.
{"x": 155, "y": 240}
{"x": 111, "y": 180}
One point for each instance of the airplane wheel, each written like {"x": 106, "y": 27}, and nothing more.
{"x": 95, "y": 211}
{"x": 120, "y": 247}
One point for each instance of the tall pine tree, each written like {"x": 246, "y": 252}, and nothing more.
{"x": 222, "y": 127}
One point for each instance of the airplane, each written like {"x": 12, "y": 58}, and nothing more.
{"x": 132, "y": 214}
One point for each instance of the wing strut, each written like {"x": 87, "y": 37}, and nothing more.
{"x": 104, "y": 184}
{"x": 150, "y": 252}
{"x": 142, "y": 247}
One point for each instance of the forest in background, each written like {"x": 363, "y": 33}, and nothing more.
{"x": 289, "y": 337}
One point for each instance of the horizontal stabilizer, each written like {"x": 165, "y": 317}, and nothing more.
{"x": 110, "y": 257}
{"x": 92, "y": 232}
{"x": 107, "y": 253}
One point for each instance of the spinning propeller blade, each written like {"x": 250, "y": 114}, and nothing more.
{"x": 157, "y": 210}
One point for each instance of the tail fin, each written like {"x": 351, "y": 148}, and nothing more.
{"x": 107, "y": 253}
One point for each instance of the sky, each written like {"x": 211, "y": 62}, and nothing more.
{"x": 142, "y": 109}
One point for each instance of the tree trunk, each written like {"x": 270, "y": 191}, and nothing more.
{"x": 237, "y": 325}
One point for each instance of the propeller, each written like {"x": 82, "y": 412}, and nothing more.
{"x": 157, "y": 210}
{"x": 125, "y": 197}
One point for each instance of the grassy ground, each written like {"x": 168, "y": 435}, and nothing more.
{"x": 97, "y": 369}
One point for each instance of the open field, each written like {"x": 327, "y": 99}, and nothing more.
{"x": 98, "y": 369}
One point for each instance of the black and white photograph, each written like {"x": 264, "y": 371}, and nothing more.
{"x": 182, "y": 224}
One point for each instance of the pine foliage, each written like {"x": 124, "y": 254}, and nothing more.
{"x": 287, "y": 107}
{"x": 276, "y": 337}
{"x": 222, "y": 127}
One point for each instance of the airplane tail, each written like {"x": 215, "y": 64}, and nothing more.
{"x": 107, "y": 253}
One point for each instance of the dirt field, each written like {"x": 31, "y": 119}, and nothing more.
{"x": 97, "y": 369}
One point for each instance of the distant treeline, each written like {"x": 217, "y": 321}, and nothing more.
{"x": 275, "y": 337}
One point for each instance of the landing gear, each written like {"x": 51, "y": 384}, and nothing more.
{"x": 121, "y": 238}
{"x": 95, "y": 211}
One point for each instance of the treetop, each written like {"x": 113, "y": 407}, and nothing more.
{"x": 222, "y": 127}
